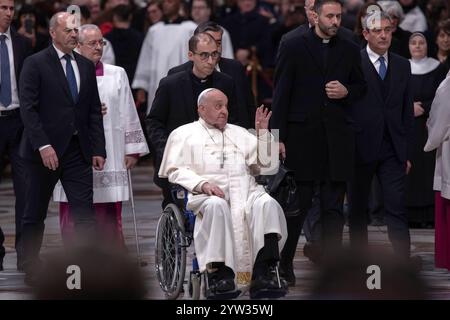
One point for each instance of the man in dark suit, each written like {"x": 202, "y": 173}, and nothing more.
{"x": 14, "y": 48}
{"x": 63, "y": 135}
{"x": 175, "y": 102}
{"x": 231, "y": 67}
{"x": 383, "y": 120}
{"x": 318, "y": 76}
{"x": 311, "y": 225}
{"x": 309, "y": 9}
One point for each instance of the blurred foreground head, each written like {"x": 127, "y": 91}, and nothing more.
{"x": 90, "y": 273}
{"x": 369, "y": 275}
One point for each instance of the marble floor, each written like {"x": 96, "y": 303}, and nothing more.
{"x": 147, "y": 203}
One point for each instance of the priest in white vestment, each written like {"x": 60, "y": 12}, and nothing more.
{"x": 164, "y": 47}
{"x": 125, "y": 143}
{"x": 239, "y": 229}
{"x": 439, "y": 138}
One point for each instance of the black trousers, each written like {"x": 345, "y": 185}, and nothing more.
{"x": 76, "y": 177}
{"x": 11, "y": 129}
{"x": 331, "y": 198}
{"x": 392, "y": 176}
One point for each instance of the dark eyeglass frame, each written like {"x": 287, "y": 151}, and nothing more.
{"x": 205, "y": 55}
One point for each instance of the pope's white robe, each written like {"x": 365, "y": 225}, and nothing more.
{"x": 232, "y": 229}
{"x": 438, "y": 137}
{"x": 165, "y": 46}
{"x": 123, "y": 136}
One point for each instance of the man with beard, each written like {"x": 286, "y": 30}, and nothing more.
{"x": 318, "y": 76}
{"x": 309, "y": 10}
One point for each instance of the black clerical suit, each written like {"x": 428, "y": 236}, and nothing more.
{"x": 244, "y": 96}
{"x": 315, "y": 129}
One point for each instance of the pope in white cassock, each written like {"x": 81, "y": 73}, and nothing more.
{"x": 125, "y": 142}
{"x": 239, "y": 228}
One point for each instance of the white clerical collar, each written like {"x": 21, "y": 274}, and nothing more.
{"x": 62, "y": 54}
{"x": 375, "y": 56}
{"x": 423, "y": 66}
{"x": 206, "y": 125}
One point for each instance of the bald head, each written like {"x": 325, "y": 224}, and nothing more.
{"x": 64, "y": 31}
{"x": 213, "y": 107}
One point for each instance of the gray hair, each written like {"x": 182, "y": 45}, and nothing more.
{"x": 393, "y": 8}
{"x": 203, "y": 95}
{"x": 53, "y": 23}
{"x": 375, "y": 15}
{"x": 85, "y": 28}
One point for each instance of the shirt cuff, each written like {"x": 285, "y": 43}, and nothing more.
{"x": 43, "y": 147}
{"x": 198, "y": 187}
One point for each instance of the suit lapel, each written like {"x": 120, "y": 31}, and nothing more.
{"x": 59, "y": 72}
{"x": 186, "y": 87}
{"x": 313, "y": 48}
{"x": 392, "y": 76}
{"x": 371, "y": 73}
{"x": 83, "y": 74}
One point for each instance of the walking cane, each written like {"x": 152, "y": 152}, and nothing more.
{"x": 140, "y": 262}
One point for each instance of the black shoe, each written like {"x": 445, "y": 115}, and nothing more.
{"x": 31, "y": 279}
{"x": 377, "y": 222}
{"x": 268, "y": 286}
{"x": 219, "y": 283}
{"x": 1, "y": 265}
{"x": 416, "y": 263}
{"x": 313, "y": 252}
{"x": 287, "y": 273}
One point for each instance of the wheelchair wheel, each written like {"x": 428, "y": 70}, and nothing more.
{"x": 170, "y": 253}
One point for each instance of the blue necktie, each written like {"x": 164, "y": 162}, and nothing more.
{"x": 5, "y": 85}
{"x": 70, "y": 75}
{"x": 383, "y": 69}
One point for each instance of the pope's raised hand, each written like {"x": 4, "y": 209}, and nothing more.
{"x": 262, "y": 118}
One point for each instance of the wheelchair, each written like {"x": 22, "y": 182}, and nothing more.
{"x": 174, "y": 235}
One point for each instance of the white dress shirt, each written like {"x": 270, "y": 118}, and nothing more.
{"x": 75, "y": 70}
{"x": 14, "y": 94}
{"x": 374, "y": 58}
{"x": 74, "y": 65}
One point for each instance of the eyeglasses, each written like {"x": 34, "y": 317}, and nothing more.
{"x": 205, "y": 55}
{"x": 94, "y": 44}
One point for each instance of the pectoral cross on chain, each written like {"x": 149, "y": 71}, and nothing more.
{"x": 222, "y": 159}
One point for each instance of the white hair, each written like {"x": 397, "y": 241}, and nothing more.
{"x": 374, "y": 18}
{"x": 203, "y": 95}
{"x": 85, "y": 28}
{"x": 393, "y": 8}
